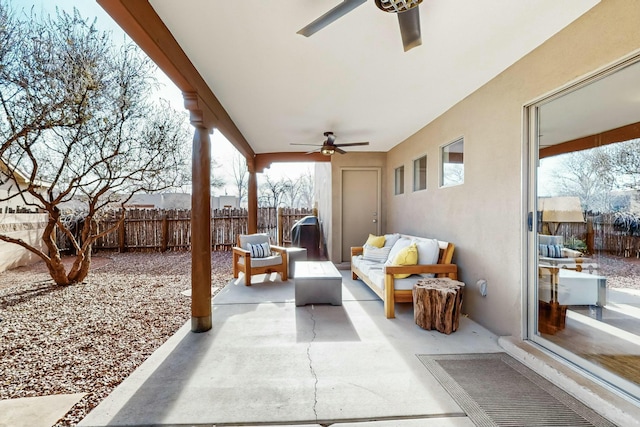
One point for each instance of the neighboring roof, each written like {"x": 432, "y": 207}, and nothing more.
{"x": 351, "y": 77}
{"x": 20, "y": 175}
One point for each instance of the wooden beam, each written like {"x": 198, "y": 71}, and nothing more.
{"x": 623, "y": 133}
{"x": 264, "y": 160}
{"x": 140, "y": 21}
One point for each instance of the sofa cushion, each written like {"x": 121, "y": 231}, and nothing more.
{"x": 377, "y": 241}
{"x": 377, "y": 278}
{"x": 402, "y": 243}
{"x": 364, "y": 265}
{"x": 407, "y": 256}
{"x": 375, "y": 254}
{"x": 261, "y": 250}
{"x": 391, "y": 239}
{"x": 428, "y": 251}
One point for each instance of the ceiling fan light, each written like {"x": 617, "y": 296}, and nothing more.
{"x": 327, "y": 151}
{"x": 397, "y": 6}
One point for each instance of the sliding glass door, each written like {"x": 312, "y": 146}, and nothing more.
{"x": 584, "y": 235}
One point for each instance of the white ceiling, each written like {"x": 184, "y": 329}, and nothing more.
{"x": 352, "y": 77}
{"x": 605, "y": 104}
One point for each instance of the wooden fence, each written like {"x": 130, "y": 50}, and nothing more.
{"x": 162, "y": 230}
{"x": 599, "y": 234}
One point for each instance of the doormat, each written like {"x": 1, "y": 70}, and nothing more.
{"x": 494, "y": 389}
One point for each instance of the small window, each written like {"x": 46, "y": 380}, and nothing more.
{"x": 452, "y": 169}
{"x": 399, "y": 185}
{"x": 420, "y": 174}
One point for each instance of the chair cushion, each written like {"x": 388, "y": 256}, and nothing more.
{"x": 377, "y": 241}
{"x": 263, "y": 262}
{"x": 545, "y": 239}
{"x": 254, "y": 239}
{"x": 261, "y": 250}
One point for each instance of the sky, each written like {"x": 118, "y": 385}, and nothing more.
{"x": 222, "y": 150}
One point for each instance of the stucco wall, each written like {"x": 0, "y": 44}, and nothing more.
{"x": 27, "y": 227}
{"x": 484, "y": 216}
{"x": 352, "y": 160}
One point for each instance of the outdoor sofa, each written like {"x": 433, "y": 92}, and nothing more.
{"x": 375, "y": 267}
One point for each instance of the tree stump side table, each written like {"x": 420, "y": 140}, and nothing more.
{"x": 437, "y": 304}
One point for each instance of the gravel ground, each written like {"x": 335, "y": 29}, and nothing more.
{"x": 89, "y": 337}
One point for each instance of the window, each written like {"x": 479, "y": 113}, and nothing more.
{"x": 399, "y": 185}
{"x": 420, "y": 174}
{"x": 452, "y": 170}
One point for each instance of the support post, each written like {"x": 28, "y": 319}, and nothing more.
{"x": 280, "y": 226}
{"x": 201, "y": 231}
{"x": 122, "y": 239}
{"x": 252, "y": 198}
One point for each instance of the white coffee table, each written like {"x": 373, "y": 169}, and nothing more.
{"x": 317, "y": 282}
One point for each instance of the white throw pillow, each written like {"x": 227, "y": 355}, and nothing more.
{"x": 428, "y": 251}
{"x": 397, "y": 247}
{"x": 261, "y": 250}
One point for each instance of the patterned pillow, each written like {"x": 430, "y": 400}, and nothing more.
{"x": 261, "y": 250}
{"x": 376, "y": 254}
{"x": 551, "y": 251}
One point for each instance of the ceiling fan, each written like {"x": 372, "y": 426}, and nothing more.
{"x": 329, "y": 146}
{"x": 408, "y": 18}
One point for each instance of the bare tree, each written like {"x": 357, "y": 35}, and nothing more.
{"x": 271, "y": 191}
{"x": 240, "y": 174}
{"x": 586, "y": 174}
{"x": 291, "y": 192}
{"x": 78, "y": 118}
{"x": 307, "y": 190}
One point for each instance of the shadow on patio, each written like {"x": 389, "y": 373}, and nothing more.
{"x": 267, "y": 361}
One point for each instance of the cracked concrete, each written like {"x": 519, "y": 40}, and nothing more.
{"x": 313, "y": 372}
{"x": 254, "y": 366}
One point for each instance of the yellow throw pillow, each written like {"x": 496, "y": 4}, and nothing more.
{"x": 407, "y": 256}
{"x": 377, "y": 241}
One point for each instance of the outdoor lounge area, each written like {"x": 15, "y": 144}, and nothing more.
{"x": 268, "y": 362}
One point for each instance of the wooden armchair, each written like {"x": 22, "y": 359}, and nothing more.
{"x": 266, "y": 258}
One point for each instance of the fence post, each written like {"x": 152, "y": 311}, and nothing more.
{"x": 121, "y": 236}
{"x": 165, "y": 233}
{"x": 280, "y": 226}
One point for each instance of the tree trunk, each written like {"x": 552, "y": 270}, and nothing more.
{"x": 437, "y": 304}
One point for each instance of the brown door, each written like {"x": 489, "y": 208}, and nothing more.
{"x": 360, "y": 207}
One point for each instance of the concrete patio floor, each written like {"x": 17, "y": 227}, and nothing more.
{"x": 267, "y": 361}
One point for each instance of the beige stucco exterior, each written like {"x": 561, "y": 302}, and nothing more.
{"x": 26, "y": 227}
{"x": 484, "y": 217}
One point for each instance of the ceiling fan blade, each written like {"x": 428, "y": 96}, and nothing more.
{"x": 338, "y": 150}
{"x": 351, "y": 144}
{"x": 410, "y": 28}
{"x": 334, "y": 14}
{"x": 313, "y": 151}
{"x": 313, "y": 145}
